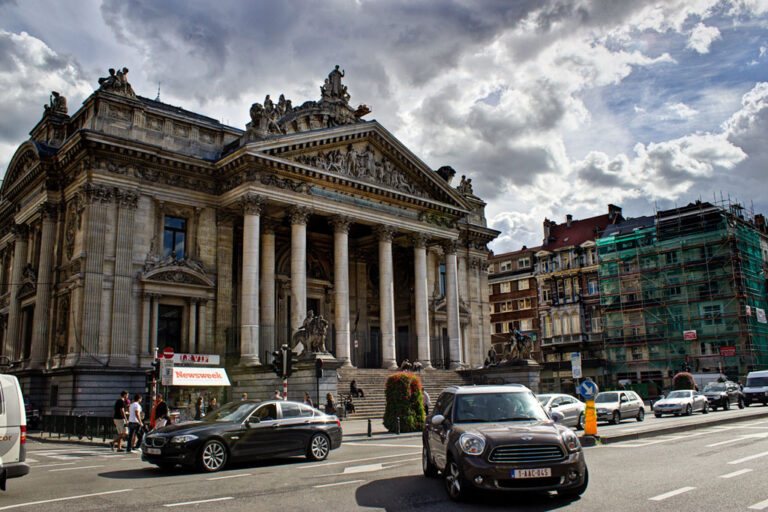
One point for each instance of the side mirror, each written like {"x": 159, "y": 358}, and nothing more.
{"x": 253, "y": 420}
{"x": 438, "y": 419}
{"x": 556, "y": 416}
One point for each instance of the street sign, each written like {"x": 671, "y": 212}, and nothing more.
{"x": 690, "y": 335}
{"x": 166, "y": 372}
{"x": 196, "y": 358}
{"x": 576, "y": 365}
{"x": 588, "y": 389}
{"x": 728, "y": 350}
{"x": 168, "y": 352}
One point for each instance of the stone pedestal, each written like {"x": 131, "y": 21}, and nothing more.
{"x": 522, "y": 371}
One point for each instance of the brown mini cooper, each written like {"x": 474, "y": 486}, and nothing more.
{"x": 500, "y": 438}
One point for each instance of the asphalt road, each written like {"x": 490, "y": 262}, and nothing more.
{"x": 714, "y": 468}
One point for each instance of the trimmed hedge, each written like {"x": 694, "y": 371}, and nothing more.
{"x": 404, "y": 400}
{"x": 683, "y": 380}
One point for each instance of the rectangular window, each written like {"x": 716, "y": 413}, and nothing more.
{"x": 526, "y": 324}
{"x": 442, "y": 280}
{"x": 523, "y": 284}
{"x": 174, "y": 237}
{"x": 597, "y": 324}
{"x": 490, "y": 289}
{"x": 523, "y": 263}
{"x": 671, "y": 257}
{"x": 506, "y": 265}
{"x": 498, "y": 308}
{"x": 524, "y": 304}
{"x": 545, "y": 295}
{"x": 504, "y": 287}
{"x": 592, "y": 288}
{"x": 712, "y": 314}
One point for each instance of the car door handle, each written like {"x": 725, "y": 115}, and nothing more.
{"x": 275, "y": 425}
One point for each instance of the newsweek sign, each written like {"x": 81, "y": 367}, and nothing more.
{"x": 690, "y": 335}
{"x": 199, "y": 377}
{"x": 196, "y": 358}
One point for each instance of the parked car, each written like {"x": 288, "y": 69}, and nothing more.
{"x": 244, "y": 430}
{"x": 500, "y": 438}
{"x": 571, "y": 408}
{"x": 756, "y": 389}
{"x": 723, "y": 394}
{"x": 682, "y": 401}
{"x": 614, "y": 406}
{"x": 13, "y": 428}
{"x": 33, "y": 415}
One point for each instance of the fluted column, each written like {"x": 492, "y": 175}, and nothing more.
{"x": 299, "y": 216}
{"x": 452, "y": 304}
{"x": 249, "y": 303}
{"x": 122, "y": 344}
{"x": 341, "y": 286}
{"x": 153, "y": 324}
{"x": 202, "y": 333}
{"x": 40, "y": 328}
{"x": 386, "y": 297}
{"x": 267, "y": 288}
{"x": 14, "y": 308}
{"x": 192, "y": 337}
{"x": 145, "y": 347}
{"x": 420, "y": 296}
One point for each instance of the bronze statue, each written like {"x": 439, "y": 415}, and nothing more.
{"x": 311, "y": 334}
{"x": 57, "y": 104}
{"x": 518, "y": 347}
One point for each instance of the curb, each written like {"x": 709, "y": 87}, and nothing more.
{"x": 380, "y": 436}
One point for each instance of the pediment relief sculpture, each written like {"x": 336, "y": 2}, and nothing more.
{"x": 174, "y": 270}
{"x": 362, "y": 164}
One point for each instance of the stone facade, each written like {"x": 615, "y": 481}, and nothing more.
{"x": 132, "y": 225}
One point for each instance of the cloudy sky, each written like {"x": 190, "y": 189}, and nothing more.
{"x": 550, "y": 106}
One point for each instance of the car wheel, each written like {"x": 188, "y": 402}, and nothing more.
{"x": 580, "y": 422}
{"x": 319, "y": 447}
{"x": 576, "y": 491}
{"x": 727, "y": 405}
{"x": 741, "y": 403}
{"x": 688, "y": 410}
{"x": 705, "y": 409}
{"x": 657, "y": 414}
{"x": 429, "y": 469}
{"x": 455, "y": 484}
{"x": 213, "y": 456}
{"x": 712, "y": 407}
{"x": 640, "y": 414}
{"x": 746, "y": 403}
{"x": 616, "y": 418}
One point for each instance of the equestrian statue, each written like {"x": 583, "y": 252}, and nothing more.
{"x": 311, "y": 334}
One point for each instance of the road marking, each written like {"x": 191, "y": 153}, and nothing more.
{"x": 312, "y": 466}
{"x": 743, "y": 437}
{"x": 338, "y": 483}
{"x": 364, "y": 468}
{"x": 31, "y": 460}
{"x": 384, "y": 445}
{"x": 198, "y": 501}
{"x": 230, "y": 476}
{"x": 669, "y": 494}
{"x": 736, "y": 473}
{"x": 759, "y": 506}
{"x": 73, "y": 469}
{"x": 54, "y": 464}
{"x": 19, "y": 505}
{"x": 751, "y": 457}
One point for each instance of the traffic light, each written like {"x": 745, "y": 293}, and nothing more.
{"x": 290, "y": 361}
{"x": 319, "y": 368}
{"x": 277, "y": 362}
{"x": 156, "y": 369}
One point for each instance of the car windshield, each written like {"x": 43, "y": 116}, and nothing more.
{"x": 233, "y": 411}
{"x": 757, "y": 382}
{"x": 602, "y": 398}
{"x": 679, "y": 394}
{"x": 714, "y": 386}
{"x": 543, "y": 399}
{"x": 495, "y": 407}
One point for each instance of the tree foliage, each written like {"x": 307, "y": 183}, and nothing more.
{"x": 683, "y": 380}
{"x": 404, "y": 400}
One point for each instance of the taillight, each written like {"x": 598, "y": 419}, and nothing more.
{"x": 338, "y": 422}
{"x": 23, "y": 434}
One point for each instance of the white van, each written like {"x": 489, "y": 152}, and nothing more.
{"x": 13, "y": 428}
{"x": 756, "y": 389}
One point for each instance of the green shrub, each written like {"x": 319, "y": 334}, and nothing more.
{"x": 404, "y": 400}
{"x": 683, "y": 380}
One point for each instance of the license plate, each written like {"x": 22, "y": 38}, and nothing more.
{"x": 152, "y": 451}
{"x": 532, "y": 473}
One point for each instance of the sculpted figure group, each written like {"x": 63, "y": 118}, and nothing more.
{"x": 311, "y": 334}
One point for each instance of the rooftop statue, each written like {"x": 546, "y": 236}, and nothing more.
{"x": 333, "y": 89}
{"x": 117, "y": 82}
{"x": 57, "y": 104}
{"x": 465, "y": 186}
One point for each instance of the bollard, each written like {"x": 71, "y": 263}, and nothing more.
{"x": 369, "y": 427}
{"x": 397, "y": 426}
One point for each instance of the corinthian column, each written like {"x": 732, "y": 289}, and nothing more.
{"x": 249, "y": 303}
{"x": 386, "y": 297}
{"x": 267, "y": 287}
{"x": 14, "y": 309}
{"x": 341, "y": 285}
{"x": 420, "y": 292}
{"x": 452, "y": 304}
{"x": 299, "y": 216}
{"x": 39, "y": 350}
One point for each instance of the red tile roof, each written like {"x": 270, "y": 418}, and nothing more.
{"x": 579, "y": 231}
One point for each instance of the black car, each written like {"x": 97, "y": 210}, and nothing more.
{"x": 244, "y": 430}
{"x": 724, "y": 394}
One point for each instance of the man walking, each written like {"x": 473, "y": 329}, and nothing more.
{"x": 427, "y": 401}
{"x": 118, "y": 416}
{"x": 134, "y": 421}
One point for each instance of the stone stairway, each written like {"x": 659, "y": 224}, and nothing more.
{"x": 372, "y": 382}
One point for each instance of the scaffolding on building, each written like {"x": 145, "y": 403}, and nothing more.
{"x": 683, "y": 292}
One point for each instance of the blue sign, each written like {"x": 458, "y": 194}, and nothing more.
{"x": 588, "y": 389}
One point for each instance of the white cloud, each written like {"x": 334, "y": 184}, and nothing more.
{"x": 702, "y": 37}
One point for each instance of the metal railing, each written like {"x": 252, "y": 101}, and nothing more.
{"x": 80, "y": 426}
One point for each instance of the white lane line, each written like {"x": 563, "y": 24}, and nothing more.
{"x": 669, "y": 494}
{"x": 727, "y": 441}
{"x": 751, "y": 457}
{"x": 19, "y": 505}
{"x": 759, "y": 506}
{"x": 31, "y": 460}
{"x": 312, "y": 466}
{"x": 74, "y": 469}
{"x": 743, "y": 437}
{"x": 736, "y": 473}
{"x": 198, "y": 501}
{"x": 229, "y": 476}
{"x": 338, "y": 483}
{"x": 364, "y": 468}
{"x": 383, "y": 445}
{"x": 54, "y": 464}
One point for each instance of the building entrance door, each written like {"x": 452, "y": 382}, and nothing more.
{"x": 403, "y": 348}
{"x": 169, "y": 327}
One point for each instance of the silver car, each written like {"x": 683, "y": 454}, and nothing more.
{"x": 571, "y": 408}
{"x": 614, "y": 406}
{"x": 681, "y": 402}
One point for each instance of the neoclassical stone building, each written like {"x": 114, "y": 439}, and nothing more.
{"x": 133, "y": 224}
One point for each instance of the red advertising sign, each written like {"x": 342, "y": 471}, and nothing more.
{"x": 727, "y": 350}
{"x": 690, "y": 335}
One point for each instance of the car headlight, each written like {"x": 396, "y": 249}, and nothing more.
{"x": 471, "y": 444}
{"x": 183, "y": 439}
{"x": 602, "y": 411}
{"x": 571, "y": 441}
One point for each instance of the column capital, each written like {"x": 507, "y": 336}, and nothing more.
{"x": 127, "y": 199}
{"x": 19, "y": 230}
{"x": 299, "y": 214}
{"x": 385, "y": 233}
{"x": 420, "y": 240}
{"x": 450, "y": 246}
{"x": 476, "y": 263}
{"x": 269, "y": 225}
{"x": 49, "y": 211}
{"x": 340, "y": 223}
{"x": 97, "y": 194}
{"x": 251, "y": 204}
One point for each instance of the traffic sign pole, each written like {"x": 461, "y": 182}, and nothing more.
{"x": 588, "y": 389}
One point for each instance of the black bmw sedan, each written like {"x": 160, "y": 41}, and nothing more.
{"x": 244, "y": 430}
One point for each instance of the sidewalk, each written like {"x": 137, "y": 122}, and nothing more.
{"x": 357, "y": 430}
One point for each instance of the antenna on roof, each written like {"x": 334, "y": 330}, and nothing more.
{"x": 158, "y": 91}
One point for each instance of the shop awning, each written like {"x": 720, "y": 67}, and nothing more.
{"x": 199, "y": 377}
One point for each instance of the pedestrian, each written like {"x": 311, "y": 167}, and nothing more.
{"x": 244, "y": 396}
{"x": 121, "y": 423}
{"x": 308, "y": 400}
{"x": 416, "y": 366}
{"x": 278, "y": 395}
{"x": 427, "y": 402}
{"x": 212, "y": 405}
{"x": 159, "y": 417}
{"x": 134, "y": 421}
{"x": 354, "y": 390}
{"x": 330, "y": 404}
{"x": 199, "y": 408}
